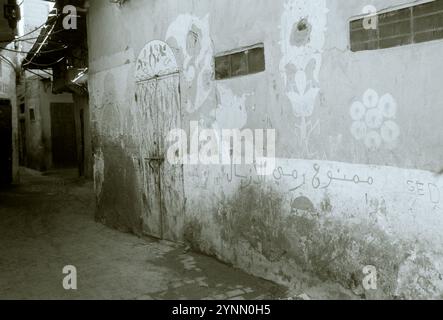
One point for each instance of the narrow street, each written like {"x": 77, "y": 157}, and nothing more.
{"x": 48, "y": 223}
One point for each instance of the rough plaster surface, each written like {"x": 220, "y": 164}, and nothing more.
{"x": 8, "y": 91}
{"x": 39, "y": 97}
{"x": 356, "y": 198}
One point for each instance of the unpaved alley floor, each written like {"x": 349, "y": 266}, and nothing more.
{"x": 47, "y": 223}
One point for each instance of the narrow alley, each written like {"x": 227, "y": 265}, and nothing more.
{"x": 48, "y": 223}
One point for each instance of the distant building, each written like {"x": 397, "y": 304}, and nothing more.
{"x": 54, "y": 117}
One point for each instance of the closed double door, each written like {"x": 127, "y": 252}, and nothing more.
{"x": 158, "y": 100}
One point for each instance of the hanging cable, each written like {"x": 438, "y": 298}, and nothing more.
{"x": 38, "y": 28}
{"x": 15, "y": 40}
{"x": 8, "y": 61}
{"x": 41, "y": 46}
{"x": 44, "y": 65}
{"x": 45, "y": 24}
{"x": 48, "y": 73}
{"x": 36, "y": 74}
{"x": 33, "y": 38}
{"x": 26, "y": 52}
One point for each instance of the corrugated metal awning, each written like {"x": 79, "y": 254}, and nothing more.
{"x": 50, "y": 47}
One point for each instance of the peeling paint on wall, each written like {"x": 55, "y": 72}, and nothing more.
{"x": 99, "y": 172}
{"x": 231, "y": 112}
{"x": 303, "y": 28}
{"x": 191, "y": 37}
{"x": 328, "y": 218}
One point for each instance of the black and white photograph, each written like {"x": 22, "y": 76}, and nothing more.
{"x": 230, "y": 151}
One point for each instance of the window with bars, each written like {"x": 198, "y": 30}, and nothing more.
{"x": 240, "y": 63}
{"x": 415, "y": 24}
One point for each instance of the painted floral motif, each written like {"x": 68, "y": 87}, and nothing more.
{"x": 191, "y": 37}
{"x": 303, "y": 96}
{"x": 374, "y": 120}
{"x": 303, "y": 27}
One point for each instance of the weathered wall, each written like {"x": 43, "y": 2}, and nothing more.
{"x": 83, "y": 135}
{"x": 39, "y": 96}
{"x": 8, "y": 91}
{"x": 367, "y": 191}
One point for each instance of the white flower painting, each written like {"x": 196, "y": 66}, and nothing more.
{"x": 374, "y": 120}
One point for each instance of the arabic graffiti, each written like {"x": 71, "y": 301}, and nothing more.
{"x": 316, "y": 183}
{"x": 315, "y": 177}
{"x": 280, "y": 174}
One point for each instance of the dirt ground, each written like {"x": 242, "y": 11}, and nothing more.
{"x": 48, "y": 222}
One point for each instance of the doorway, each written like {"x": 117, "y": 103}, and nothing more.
{"x": 158, "y": 100}
{"x": 5, "y": 142}
{"x": 64, "y": 144}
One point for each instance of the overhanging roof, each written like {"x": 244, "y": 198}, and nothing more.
{"x": 47, "y": 49}
{"x": 55, "y": 42}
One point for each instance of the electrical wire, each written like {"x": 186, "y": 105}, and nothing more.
{"x": 31, "y": 32}
{"x": 8, "y": 61}
{"x": 18, "y": 40}
{"x": 48, "y": 73}
{"x": 41, "y": 45}
{"x": 45, "y": 64}
{"x": 38, "y": 28}
{"x": 28, "y": 39}
{"x": 14, "y": 40}
{"x": 36, "y": 74}
{"x": 25, "y": 40}
{"x": 27, "y": 52}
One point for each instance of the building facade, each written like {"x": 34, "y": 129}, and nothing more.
{"x": 357, "y": 113}
{"x": 46, "y": 119}
{"x": 49, "y": 134}
{"x": 55, "y": 103}
{"x": 9, "y": 155}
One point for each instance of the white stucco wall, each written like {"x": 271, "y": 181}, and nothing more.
{"x": 355, "y": 185}
{"x": 39, "y": 97}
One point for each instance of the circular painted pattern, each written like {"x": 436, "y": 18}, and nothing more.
{"x": 388, "y": 106}
{"x": 373, "y": 140}
{"x": 370, "y": 99}
{"x": 359, "y": 130}
{"x": 358, "y": 111}
{"x": 390, "y": 131}
{"x": 374, "y": 118}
